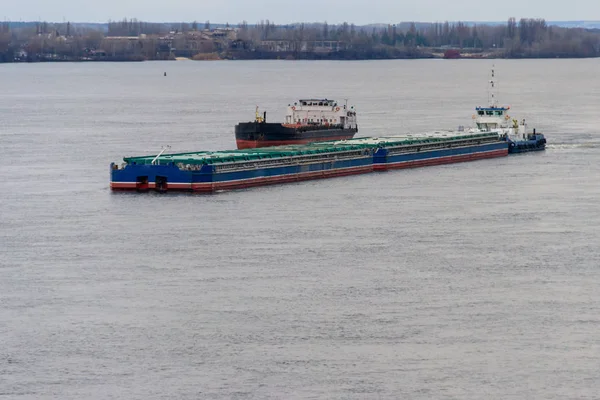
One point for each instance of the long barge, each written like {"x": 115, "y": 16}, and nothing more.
{"x": 207, "y": 171}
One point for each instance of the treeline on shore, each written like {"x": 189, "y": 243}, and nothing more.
{"x": 137, "y": 40}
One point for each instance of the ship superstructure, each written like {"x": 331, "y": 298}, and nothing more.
{"x": 321, "y": 112}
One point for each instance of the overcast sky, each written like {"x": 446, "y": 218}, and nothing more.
{"x": 282, "y": 11}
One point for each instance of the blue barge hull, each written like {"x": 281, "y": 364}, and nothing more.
{"x": 209, "y": 179}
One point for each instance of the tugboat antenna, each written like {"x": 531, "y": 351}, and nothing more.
{"x": 492, "y": 89}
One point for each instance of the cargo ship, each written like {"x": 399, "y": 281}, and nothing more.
{"x": 306, "y": 121}
{"x": 207, "y": 171}
{"x": 496, "y": 118}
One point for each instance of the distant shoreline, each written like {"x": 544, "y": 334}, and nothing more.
{"x": 134, "y": 40}
{"x": 301, "y": 58}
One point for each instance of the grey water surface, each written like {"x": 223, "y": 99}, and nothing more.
{"x": 469, "y": 281}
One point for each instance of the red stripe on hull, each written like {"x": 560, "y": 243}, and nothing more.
{"x": 123, "y": 186}
{"x": 150, "y": 185}
{"x": 441, "y": 160}
{"x": 252, "y": 144}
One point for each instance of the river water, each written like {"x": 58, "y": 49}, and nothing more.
{"x": 467, "y": 281}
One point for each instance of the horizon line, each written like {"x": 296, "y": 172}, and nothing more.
{"x": 291, "y": 23}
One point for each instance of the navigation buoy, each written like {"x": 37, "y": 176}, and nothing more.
{"x": 165, "y": 74}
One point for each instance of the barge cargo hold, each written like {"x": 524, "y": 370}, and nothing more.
{"x": 222, "y": 170}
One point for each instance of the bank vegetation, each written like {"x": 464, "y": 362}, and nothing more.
{"x": 133, "y": 40}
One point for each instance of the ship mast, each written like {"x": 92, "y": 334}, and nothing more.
{"x": 492, "y": 89}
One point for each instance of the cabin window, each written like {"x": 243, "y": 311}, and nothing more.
{"x": 489, "y": 113}
{"x": 499, "y": 113}
{"x": 480, "y": 112}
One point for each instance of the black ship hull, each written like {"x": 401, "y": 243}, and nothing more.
{"x": 264, "y": 134}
